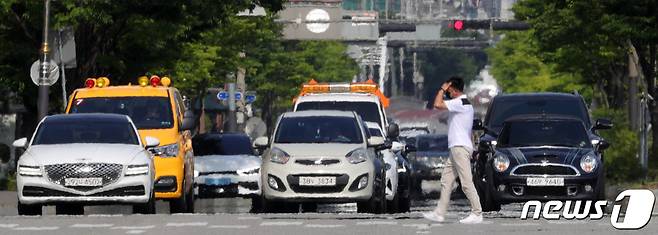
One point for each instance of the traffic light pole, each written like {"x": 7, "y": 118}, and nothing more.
{"x": 42, "y": 104}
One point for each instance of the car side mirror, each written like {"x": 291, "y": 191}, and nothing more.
{"x": 376, "y": 141}
{"x": 151, "y": 142}
{"x": 410, "y": 148}
{"x": 393, "y": 131}
{"x": 600, "y": 145}
{"x": 188, "y": 120}
{"x": 602, "y": 124}
{"x": 261, "y": 142}
{"x": 477, "y": 125}
{"x": 20, "y": 143}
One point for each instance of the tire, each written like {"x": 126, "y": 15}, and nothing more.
{"x": 25, "y": 209}
{"x": 145, "y": 208}
{"x": 183, "y": 204}
{"x": 309, "y": 207}
{"x": 392, "y": 206}
{"x": 404, "y": 203}
{"x": 256, "y": 205}
{"x": 69, "y": 209}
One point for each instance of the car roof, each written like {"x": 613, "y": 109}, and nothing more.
{"x": 537, "y": 95}
{"x": 95, "y": 117}
{"x": 432, "y": 136}
{"x": 124, "y": 91}
{"x": 310, "y": 113}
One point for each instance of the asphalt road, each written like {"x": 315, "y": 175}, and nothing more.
{"x": 230, "y": 216}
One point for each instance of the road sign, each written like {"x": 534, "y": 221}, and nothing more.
{"x": 36, "y": 75}
{"x": 238, "y": 95}
{"x": 222, "y": 95}
{"x": 250, "y": 97}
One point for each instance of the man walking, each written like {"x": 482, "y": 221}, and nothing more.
{"x": 460, "y": 125}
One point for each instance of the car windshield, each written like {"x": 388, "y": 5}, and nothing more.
{"x": 71, "y": 132}
{"x": 146, "y": 112}
{"x": 437, "y": 143}
{"x": 368, "y": 111}
{"x": 506, "y": 108}
{"x": 544, "y": 133}
{"x": 318, "y": 129}
{"x": 215, "y": 144}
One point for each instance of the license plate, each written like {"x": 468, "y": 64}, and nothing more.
{"x": 83, "y": 181}
{"x": 218, "y": 181}
{"x": 317, "y": 181}
{"x": 545, "y": 181}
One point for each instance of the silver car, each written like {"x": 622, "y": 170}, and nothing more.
{"x": 322, "y": 157}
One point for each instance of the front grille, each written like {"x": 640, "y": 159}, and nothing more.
{"x": 32, "y": 191}
{"x": 311, "y": 162}
{"x": 341, "y": 182}
{"x": 545, "y": 191}
{"x": 544, "y": 170}
{"x": 109, "y": 173}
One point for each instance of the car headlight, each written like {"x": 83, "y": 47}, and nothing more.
{"x": 588, "y": 163}
{"x": 279, "y": 156}
{"x": 141, "y": 169}
{"x": 27, "y": 170}
{"x": 248, "y": 171}
{"x": 165, "y": 150}
{"x": 357, "y": 156}
{"x": 501, "y": 163}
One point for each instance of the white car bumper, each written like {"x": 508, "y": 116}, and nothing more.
{"x": 127, "y": 189}
{"x": 226, "y": 185}
{"x": 287, "y": 177}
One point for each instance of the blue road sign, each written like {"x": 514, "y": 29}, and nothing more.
{"x": 250, "y": 98}
{"x": 222, "y": 95}
{"x": 238, "y": 95}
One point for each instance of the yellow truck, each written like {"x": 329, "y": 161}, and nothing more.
{"x": 157, "y": 110}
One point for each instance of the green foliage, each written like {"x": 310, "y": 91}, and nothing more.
{"x": 517, "y": 68}
{"x": 620, "y": 159}
{"x": 440, "y": 64}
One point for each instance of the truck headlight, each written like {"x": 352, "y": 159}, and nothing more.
{"x": 357, "y": 156}
{"x": 501, "y": 163}
{"x": 166, "y": 150}
{"x": 279, "y": 156}
{"x": 27, "y": 170}
{"x": 133, "y": 170}
{"x": 588, "y": 163}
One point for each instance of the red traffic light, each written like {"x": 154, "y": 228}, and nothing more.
{"x": 458, "y": 25}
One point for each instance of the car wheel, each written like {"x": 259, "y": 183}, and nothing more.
{"x": 69, "y": 209}
{"x": 146, "y": 208}
{"x": 392, "y": 205}
{"x": 25, "y": 209}
{"x": 309, "y": 207}
{"x": 256, "y": 205}
{"x": 404, "y": 204}
{"x": 183, "y": 204}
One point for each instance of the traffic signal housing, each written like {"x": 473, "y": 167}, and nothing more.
{"x": 459, "y": 25}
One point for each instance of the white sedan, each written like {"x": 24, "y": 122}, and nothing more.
{"x": 85, "y": 159}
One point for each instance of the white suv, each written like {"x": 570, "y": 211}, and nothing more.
{"x": 85, "y": 159}
{"x": 322, "y": 157}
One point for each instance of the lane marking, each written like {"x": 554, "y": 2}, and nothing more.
{"x": 230, "y": 226}
{"x": 519, "y": 224}
{"x": 324, "y": 225}
{"x": 35, "y": 228}
{"x": 106, "y": 215}
{"x": 377, "y": 223}
{"x": 248, "y": 218}
{"x": 280, "y": 223}
{"x": 135, "y": 231}
{"x": 192, "y": 224}
{"x": 134, "y": 227}
{"x": 8, "y": 225}
{"x": 422, "y": 232}
{"x": 91, "y": 225}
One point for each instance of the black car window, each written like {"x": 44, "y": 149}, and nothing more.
{"x": 92, "y": 131}
{"x": 375, "y": 132}
{"x": 564, "y": 133}
{"x": 432, "y": 143}
{"x": 319, "y": 129}
{"x": 367, "y": 110}
{"x": 146, "y": 112}
{"x": 216, "y": 144}
{"x": 505, "y": 108}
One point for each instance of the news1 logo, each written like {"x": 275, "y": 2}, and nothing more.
{"x": 636, "y": 216}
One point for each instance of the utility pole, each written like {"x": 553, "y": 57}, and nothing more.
{"x": 45, "y": 64}
{"x": 232, "y": 125}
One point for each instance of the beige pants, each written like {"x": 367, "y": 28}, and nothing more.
{"x": 459, "y": 165}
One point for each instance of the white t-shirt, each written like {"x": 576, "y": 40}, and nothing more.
{"x": 460, "y": 122}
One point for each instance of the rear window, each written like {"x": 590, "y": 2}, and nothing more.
{"x": 432, "y": 143}
{"x": 146, "y": 112}
{"x": 71, "y": 132}
{"x": 507, "y": 107}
